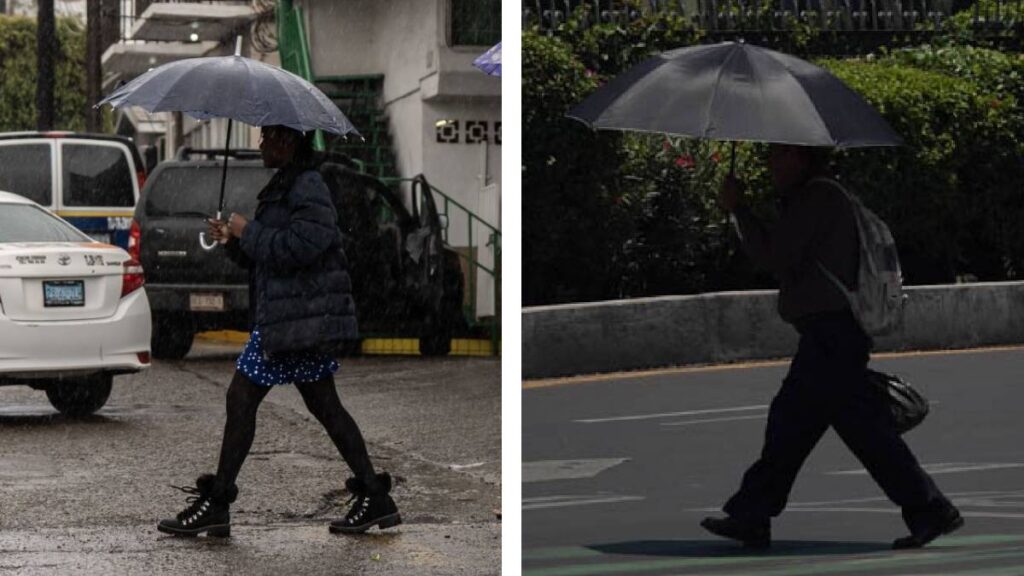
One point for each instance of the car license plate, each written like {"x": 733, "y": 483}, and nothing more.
{"x": 206, "y": 302}
{"x": 57, "y": 293}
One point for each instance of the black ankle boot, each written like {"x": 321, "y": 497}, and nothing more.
{"x": 373, "y": 505}
{"x": 207, "y": 511}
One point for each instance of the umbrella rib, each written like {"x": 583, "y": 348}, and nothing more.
{"x": 791, "y": 77}
{"x": 714, "y": 93}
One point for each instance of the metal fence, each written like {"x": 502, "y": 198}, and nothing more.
{"x": 888, "y": 16}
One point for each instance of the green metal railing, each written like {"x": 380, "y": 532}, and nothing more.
{"x": 448, "y": 208}
{"x": 294, "y": 48}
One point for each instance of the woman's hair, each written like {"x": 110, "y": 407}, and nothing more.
{"x": 304, "y": 154}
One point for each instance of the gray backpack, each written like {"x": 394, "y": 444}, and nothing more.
{"x": 877, "y": 301}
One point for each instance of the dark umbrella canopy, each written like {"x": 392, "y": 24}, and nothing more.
{"x": 233, "y": 87}
{"x": 735, "y": 91}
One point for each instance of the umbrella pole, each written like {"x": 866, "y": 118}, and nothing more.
{"x": 224, "y": 172}
{"x": 732, "y": 160}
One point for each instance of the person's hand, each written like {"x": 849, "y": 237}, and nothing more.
{"x": 236, "y": 224}
{"x": 731, "y": 194}
{"x": 217, "y": 230}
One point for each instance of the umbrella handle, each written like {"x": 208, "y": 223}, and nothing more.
{"x": 211, "y": 245}
{"x": 202, "y": 242}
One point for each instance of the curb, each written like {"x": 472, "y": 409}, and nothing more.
{"x": 371, "y": 346}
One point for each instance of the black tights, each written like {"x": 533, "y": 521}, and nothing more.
{"x": 243, "y": 400}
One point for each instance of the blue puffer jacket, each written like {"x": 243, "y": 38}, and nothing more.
{"x": 300, "y": 293}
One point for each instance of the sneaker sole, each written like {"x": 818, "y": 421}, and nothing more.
{"x": 215, "y": 530}
{"x": 389, "y": 521}
{"x": 953, "y": 527}
{"x": 752, "y": 544}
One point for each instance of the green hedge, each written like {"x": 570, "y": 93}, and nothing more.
{"x": 609, "y": 215}
{"x": 18, "y": 75}
{"x": 950, "y": 195}
{"x": 571, "y": 208}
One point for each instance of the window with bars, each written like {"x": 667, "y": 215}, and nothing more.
{"x": 475, "y": 22}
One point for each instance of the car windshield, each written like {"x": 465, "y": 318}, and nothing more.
{"x": 190, "y": 190}
{"x": 29, "y": 223}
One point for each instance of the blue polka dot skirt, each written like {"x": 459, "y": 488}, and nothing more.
{"x": 255, "y": 365}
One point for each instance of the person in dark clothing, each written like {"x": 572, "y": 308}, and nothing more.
{"x": 301, "y": 308}
{"x": 827, "y": 381}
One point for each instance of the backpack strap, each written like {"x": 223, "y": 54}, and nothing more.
{"x": 828, "y": 274}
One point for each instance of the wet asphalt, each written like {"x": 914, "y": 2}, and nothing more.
{"x": 619, "y": 470}
{"x": 83, "y": 496}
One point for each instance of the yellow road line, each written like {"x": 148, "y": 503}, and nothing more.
{"x": 591, "y": 378}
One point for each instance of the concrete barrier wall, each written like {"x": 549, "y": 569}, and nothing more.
{"x": 730, "y": 326}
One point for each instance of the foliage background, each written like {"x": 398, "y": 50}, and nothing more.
{"x": 18, "y": 75}
{"x": 615, "y": 215}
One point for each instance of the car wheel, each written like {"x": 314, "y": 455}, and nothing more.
{"x": 172, "y": 337}
{"x": 80, "y": 397}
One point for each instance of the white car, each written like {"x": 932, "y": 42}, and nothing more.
{"x": 73, "y": 311}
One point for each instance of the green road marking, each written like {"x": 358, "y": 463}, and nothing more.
{"x": 559, "y": 553}
{"x": 1005, "y": 571}
{"x": 779, "y": 566}
{"x": 570, "y": 552}
{"x": 907, "y": 560}
{"x": 975, "y": 539}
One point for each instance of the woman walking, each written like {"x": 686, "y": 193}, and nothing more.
{"x": 301, "y": 308}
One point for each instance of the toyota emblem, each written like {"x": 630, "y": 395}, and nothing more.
{"x": 64, "y": 259}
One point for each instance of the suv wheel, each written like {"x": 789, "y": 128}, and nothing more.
{"x": 80, "y": 397}
{"x": 172, "y": 336}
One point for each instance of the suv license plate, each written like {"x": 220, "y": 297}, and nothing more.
{"x": 206, "y": 302}
{"x": 60, "y": 293}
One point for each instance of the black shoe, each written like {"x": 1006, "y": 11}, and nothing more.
{"x": 207, "y": 511}
{"x": 751, "y": 534}
{"x": 950, "y": 523}
{"x": 371, "y": 507}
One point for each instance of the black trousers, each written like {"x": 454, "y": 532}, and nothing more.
{"x": 827, "y": 386}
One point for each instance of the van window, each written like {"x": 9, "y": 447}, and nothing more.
{"x": 25, "y": 169}
{"x": 97, "y": 176}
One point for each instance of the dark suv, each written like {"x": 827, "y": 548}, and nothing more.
{"x": 405, "y": 281}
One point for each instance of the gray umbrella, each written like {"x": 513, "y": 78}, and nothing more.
{"x": 236, "y": 88}
{"x": 735, "y": 91}
{"x": 233, "y": 87}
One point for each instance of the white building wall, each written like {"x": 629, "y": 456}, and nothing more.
{"x": 425, "y": 81}
{"x": 426, "y": 84}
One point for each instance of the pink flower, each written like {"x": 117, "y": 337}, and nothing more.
{"x": 685, "y": 161}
